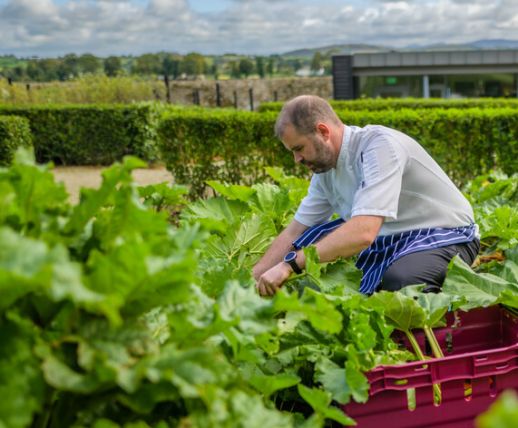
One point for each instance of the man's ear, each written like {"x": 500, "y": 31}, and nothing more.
{"x": 323, "y": 130}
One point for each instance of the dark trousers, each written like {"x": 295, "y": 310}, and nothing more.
{"x": 426, "y": 267}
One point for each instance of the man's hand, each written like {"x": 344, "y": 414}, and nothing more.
{"x": 271, "y": 280}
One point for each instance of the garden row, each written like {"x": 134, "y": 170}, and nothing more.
{"x": 112, "y": 317}
{"x": 235, "y": 146}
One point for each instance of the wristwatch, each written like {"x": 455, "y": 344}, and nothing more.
{"x": 291, "y": 258}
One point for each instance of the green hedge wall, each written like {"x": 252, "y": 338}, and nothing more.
{"x": 373, "y": 104}
{"x": 235, "y": 146}
{"x": 91, "y": 134}
{"x": 14, "y": 132}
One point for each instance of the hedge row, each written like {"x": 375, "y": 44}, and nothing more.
{"x": 235, "y": 146}
{"x": 374, "y": 104}
{"x": 14, "y": 132}
{"x": 91, "y": 135}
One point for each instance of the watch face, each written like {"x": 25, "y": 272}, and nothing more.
{"x": 292, "y": 255}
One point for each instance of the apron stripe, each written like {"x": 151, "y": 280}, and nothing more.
{"x": 385, "y": 250}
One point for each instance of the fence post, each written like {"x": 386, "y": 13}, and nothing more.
{"x": 251, "y": 96}
{"x": 218, "y": 95}
{"x": 10, "y": 81}
{"x": 196, "y": 97}
{"x": 275, "y": 96}
{"x": 235, "y": 99}
{"x": 167, "y": 88}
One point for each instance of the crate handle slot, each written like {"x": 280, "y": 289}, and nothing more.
{"x": 482, "y": 358}
{"x": 502, "y": 366}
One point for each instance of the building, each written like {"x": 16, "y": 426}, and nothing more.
{"x": 436, "y": 74}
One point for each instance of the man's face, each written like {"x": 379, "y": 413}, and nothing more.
{"x": 313, "y": 150}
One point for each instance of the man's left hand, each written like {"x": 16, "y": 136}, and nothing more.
{"x": 271, "y": 280}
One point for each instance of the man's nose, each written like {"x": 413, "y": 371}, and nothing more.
{"x": 298, "y": 157}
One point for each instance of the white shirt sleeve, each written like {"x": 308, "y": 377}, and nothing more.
{"x": 381, "y": 164}
{"x": 315, "y": 207}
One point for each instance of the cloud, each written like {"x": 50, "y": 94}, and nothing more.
{"x": 105, "y": 27}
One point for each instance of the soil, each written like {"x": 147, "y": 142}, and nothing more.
{"x": 76, "y": 177}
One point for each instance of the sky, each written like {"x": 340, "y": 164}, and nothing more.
{"x": 48, "y": 28}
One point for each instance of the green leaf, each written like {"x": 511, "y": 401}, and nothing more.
{"x": 333, "y": 379}
{"x": 62, "y": 377}
{"x": 268, "y": 384}
{"x": 244, "y": 244}
{"x": 249, "y": 411}
{"x": 320, "y": 312}
{"x": 320, "y": 400}
{"x": 232, "y": 191}
{"x": 402, "y": 311}
{"x": 434, "y": 305}
{"x": 479, "y": 290}
{"x": 503, "y": 413}
{"x": 22, "y": 387}
{"x": 272, "y": 201}
{"x": 313, "y": 265}
{"x": 215, "y": 214}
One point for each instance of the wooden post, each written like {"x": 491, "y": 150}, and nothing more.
{"x": 275, "y": 96}
{"x": 235, "y": 99}
{"x": 251, "y": 96}
{"x": 10, "y": 81}
{"x": 167, "y": 88}
{"x": 28, "y": 87}
{"x": 218, "y": 95}
{"x": 196, "y": 97}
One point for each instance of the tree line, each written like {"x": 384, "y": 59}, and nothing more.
{"x": 190, "y": 66}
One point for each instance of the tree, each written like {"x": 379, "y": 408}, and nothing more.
{"x": 17, "y": 73}
{"x": 234, "y": 70}
{"x": 246, "y": 67}
{"x": 270, "y": 68}
{"x": 43, "y": 70}
{"x": 69, "y": 66}
{"x": 148, "y": 64}
{"x": 171, "y": 65}
{"x": 316, "y": 62}
{"x": 88, "y": 63}
{"x": 193, "y": 64}
{"x": 112, "y": 66}
{"x": 214, "y": 70}
{"x": 259, "y": 66}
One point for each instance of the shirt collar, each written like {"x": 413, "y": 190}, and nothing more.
{"x": 342, "y": 156}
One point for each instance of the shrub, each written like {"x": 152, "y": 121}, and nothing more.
{"x": 374, "y": 104}
{"x": 91, "y": 134}
{"x": 235, "y": 146}
{"x": 14, "y": 132}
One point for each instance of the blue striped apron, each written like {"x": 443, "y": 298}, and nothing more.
{"x": 385, "y": 250}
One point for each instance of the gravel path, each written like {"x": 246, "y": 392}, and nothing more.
{"x": 76, "y": 177}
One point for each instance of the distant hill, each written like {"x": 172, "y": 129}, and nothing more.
{"x": 336, "y": 50}
{"x": 346, "y": 49}
{"x": 495, "y": 44}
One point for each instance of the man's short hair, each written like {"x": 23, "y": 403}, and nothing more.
{"x": 304, "y": 113}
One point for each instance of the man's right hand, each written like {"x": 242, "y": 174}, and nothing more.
{"x": 271, "y": 280}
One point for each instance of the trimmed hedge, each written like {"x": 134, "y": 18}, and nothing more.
{"x": 236, "y": 146}
{"x": 374, "y": 104}
{"x": 91, "y": 134}
{"x": 14, "y": 133}
{"x": 227, "y": 145}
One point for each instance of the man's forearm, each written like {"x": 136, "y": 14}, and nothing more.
{"x": 280, "y": 246}
{"x": 348, "y": 240}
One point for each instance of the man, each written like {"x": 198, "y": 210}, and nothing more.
{"x": 398, "y": 209}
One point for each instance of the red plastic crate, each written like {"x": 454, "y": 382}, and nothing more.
{"x": 481, "y": 354}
